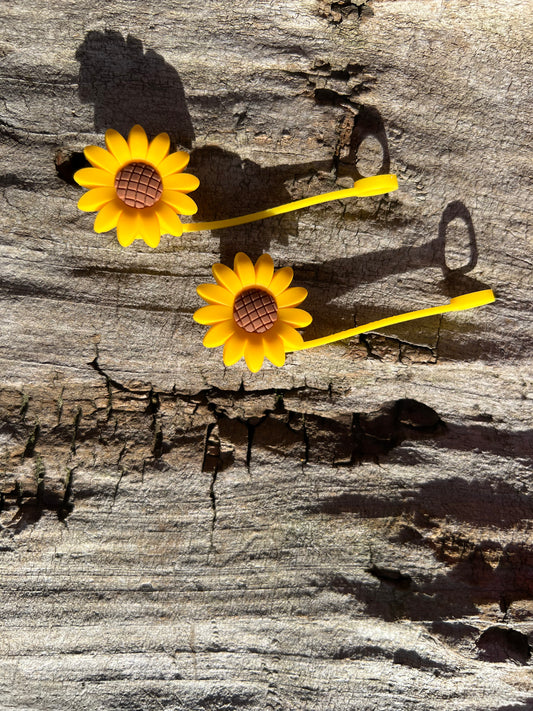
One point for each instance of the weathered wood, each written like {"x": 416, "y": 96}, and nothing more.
{"x": 352, "y": 531}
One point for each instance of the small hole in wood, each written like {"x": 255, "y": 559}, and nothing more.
{"x": 68, "y": 163}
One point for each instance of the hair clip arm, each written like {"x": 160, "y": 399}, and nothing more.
{"x": 374, "y": 185}
{"x": 459, "y": 303}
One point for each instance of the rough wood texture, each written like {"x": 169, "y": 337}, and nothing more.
{"x": 352, "y": 531}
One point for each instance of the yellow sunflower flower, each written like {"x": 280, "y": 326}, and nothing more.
{"x": 251, "y": 312}
{"x": 137, "y": 187}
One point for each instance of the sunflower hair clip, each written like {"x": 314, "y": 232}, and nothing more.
{"x": 139, "y": 188}
{"x": 252, "y": 312}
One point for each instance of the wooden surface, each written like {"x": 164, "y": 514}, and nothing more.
{"x": 350, "y": 532}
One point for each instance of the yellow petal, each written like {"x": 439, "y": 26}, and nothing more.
{"x": 244, "y": 269}
{"x": 264, "y": 270}
{"x": 149, "y": 227}
{"x": 108, "y": 216}
{"x": 127, "y": 227}
{"x": 100, "y": 158}
{"x": 254, "y": 353}
{"x": 169, "y": 222}
{"x": 208, "y": 315}
{"x": 94, "y": 178}
{"x": 219, "y": 334}
{"x": 295, "y": 317}
{"x": 291, "y": 338}
{"x": 118, "y": 146}
{"x": 215, "y": 294}
{"x": 174, "y": 163}
{"x": 181, "y": 181}
{"x": 234, "y": 348}
{"x": 138, "y": 143}
{"x": 291, "y": 297}
{"x": 180, "y": 202}
{"x": 96, "y": 199}
{"x": 274, "y": 349}
{"x": 281, "y": 280}
{"x": 227, "y": 278}
{"x": 158, "y": 149}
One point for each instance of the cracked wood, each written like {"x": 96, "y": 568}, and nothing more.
{"x": 352, "y": 531}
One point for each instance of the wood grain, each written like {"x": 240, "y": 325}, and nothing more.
{"x": 352, "y": 531}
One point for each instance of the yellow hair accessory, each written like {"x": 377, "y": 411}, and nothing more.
{"x": 140, "y": 189}
{"x": 252, "y": 313}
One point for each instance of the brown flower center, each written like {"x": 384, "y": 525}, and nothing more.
{"x": 139, "y": 185}
{"x": 255, "y": 311}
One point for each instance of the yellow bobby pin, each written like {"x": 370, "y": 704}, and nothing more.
{"x": 252, "y": 311}
{"x": 139, "y": 188}
{"x": 458, "y": 303}
{"x": 374, "y": 185}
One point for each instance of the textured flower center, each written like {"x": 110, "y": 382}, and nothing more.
{"x": 255, "y": 311}
{"x": 139, "y": 185}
